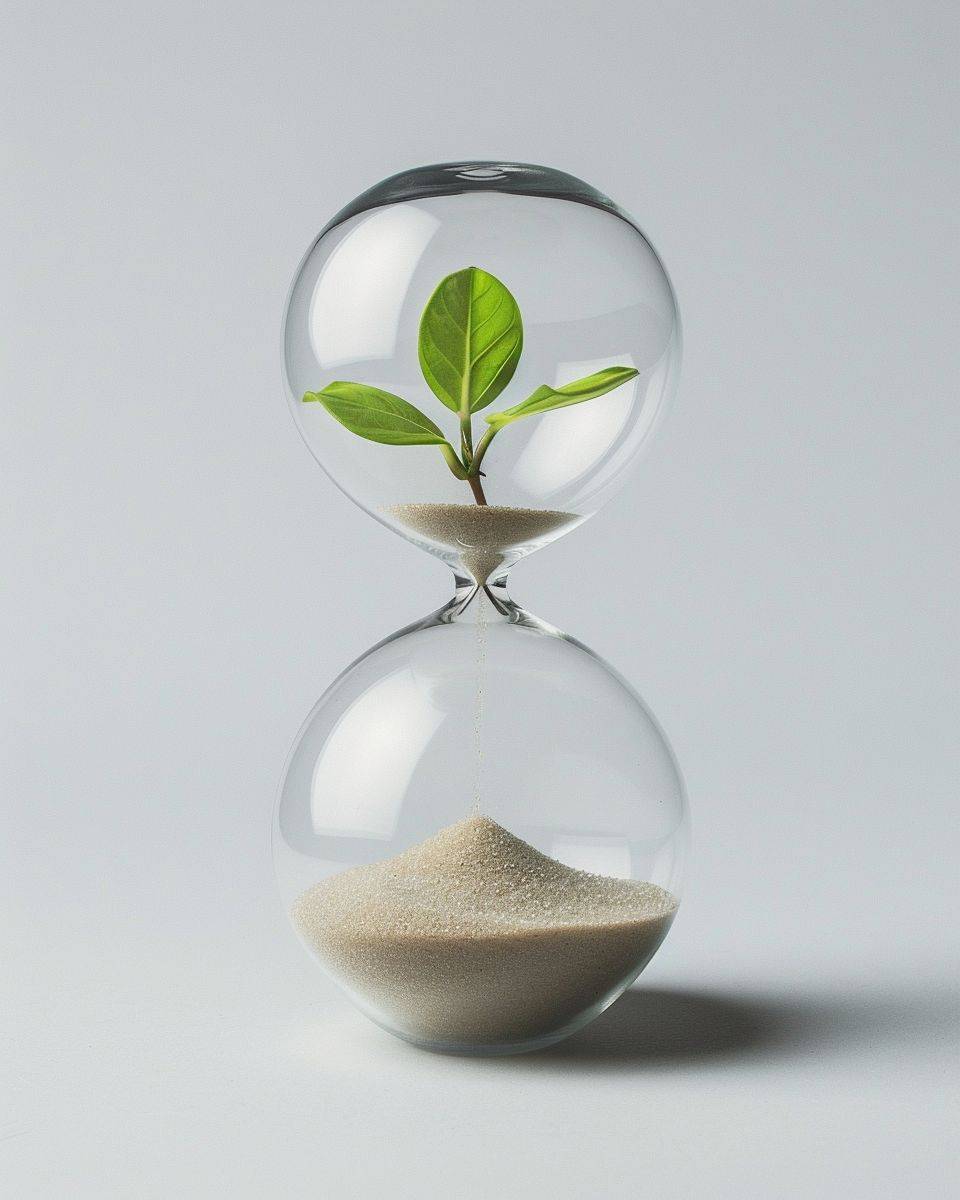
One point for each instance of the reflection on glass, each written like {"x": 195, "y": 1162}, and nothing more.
{"x": 356, "y": 304}
{"x": 363, "y": 771}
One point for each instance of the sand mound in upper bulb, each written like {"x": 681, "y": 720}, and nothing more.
{"x": 484, "y": 535}
{"x": 474, "y": 937}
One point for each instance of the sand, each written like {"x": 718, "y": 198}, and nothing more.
{"x": 484, "y": 535}
{"x": 474, "y": 938}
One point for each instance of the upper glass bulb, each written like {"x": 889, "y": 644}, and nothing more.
{"x": 480, "y": 336}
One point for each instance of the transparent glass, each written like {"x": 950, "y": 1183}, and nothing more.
{"x": 481, "y": 830}
{"x": 481, "y": 712}
{"x": 592, "y": 293}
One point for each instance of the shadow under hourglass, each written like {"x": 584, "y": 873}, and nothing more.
{"x": 651, "y": 1027}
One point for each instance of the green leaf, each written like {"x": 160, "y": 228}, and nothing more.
{"x": 376, "y": 415}
{"x": 546, "y": 398}
{"x": 471, "y": 337}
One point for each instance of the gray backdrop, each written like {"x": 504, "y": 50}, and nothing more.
{"x": 181, "y": 581}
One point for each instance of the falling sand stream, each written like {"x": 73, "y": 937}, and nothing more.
{"x": 480, "y": 660}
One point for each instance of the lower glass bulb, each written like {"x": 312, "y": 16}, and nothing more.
{"x": 481, "y": 829}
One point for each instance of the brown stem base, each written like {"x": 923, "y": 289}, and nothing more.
{"x": 477, "y": 488}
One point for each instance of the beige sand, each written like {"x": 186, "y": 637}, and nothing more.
{"x": 484, "y": 535}
{"x": 473, "y": 937}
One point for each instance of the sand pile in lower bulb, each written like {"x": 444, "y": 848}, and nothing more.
{"x": 475, "y": 937}
{"x": 484, "y": 535}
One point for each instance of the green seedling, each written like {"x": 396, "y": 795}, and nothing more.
{"x": 471, "y": 339}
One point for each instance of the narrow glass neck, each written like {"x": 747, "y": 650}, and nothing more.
{"x": 488, "y": 602}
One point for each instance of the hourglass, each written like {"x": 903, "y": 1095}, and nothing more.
{"x": 481, "y": 829}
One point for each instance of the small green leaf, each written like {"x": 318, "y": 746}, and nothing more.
{"x": 471, "y": 338}
{"x": 376, "y": 415}
{"x": 546, "y": 398}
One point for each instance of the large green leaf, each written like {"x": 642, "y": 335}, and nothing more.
{"x": 376, "y": 415}
{"x": 546, "y": 398}
{"x": 471, "y": 337}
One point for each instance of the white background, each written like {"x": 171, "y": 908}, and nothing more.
{"x": 181, "y": 581}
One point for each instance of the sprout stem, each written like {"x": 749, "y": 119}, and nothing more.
{"x": 477, "y": 488}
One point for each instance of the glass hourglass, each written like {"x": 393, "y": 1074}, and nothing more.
{"x": 481, "y": 830}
